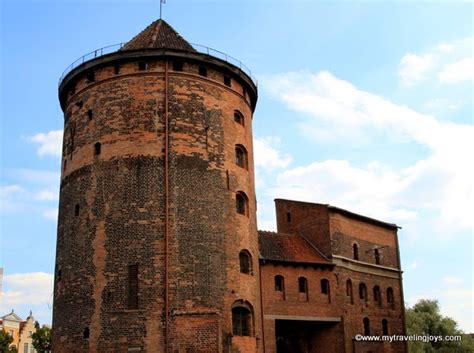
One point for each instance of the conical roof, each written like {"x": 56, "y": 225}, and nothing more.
{"x": 158, "y": 35}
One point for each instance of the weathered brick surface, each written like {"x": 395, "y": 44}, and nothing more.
{"x": 121, "y": 217}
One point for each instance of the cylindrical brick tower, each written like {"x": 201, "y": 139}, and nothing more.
{"x": 157, "y": 245}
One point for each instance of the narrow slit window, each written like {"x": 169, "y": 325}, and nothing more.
{"x": 303, "y": 285}
{"x": 324, "y": 286}
{"x": 76, "y": 210}
{"x": 377, "y": 300}
{"x": 288, "y": 217}
{"x": 377, "y": 256}
{"x": 245, "y": 262}
{"x": 385, "y": 327}
{"x": 90, "y": 115}
{"x": 241, "y": 203}
{"x": 86, "y": 333}
{"x": 355, "y": 251}
{"x": 366, "y": 326}
{"x": 363, "y": 292}
{"x": 202, "y": 71}
{"x": 349, "y": 291}
{"x": 279, "y": 283}
{"x": 116, "y": 69}
{"x": 241, "y": 156}
{"x": 177, "y": 66}
{"x": 97, "y": 148}
{"x": 227, "y": 80}
{"x": 132, "y": 296}
{"x": 390, "y": 298}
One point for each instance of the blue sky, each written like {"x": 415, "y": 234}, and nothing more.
{"x": 363, "y": 105}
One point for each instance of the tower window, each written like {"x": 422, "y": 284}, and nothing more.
{"x": 97, "y": 148}
{"x": 59, "y": 276}
{"x": 241, "y": 203}
{"x": 324, "y": 286}
{"x": 242, "y": 319}
{"x": 90, "y": 77}
{"x": 303, "y": 285}
{"x": 132, "y": 302}
{"x": 86, "y": 333}
{"x": 89, "y": 114}
{"x": 377, "y": 296}
{"x": 177, "y": 66}
{"x": 241, "y": 156}
{"x": 366, "y": 326}
{"x": 363, "y": 292}
{"x": 116, "y": 69}
{"x": 227, "y": 80}
{"x": 279, "y": 283}
{"x": 377, "y": 256}
{"x": 142, "y": 65}
{"x": 385, "y": 327}
{"x": 79, "y": 104}
{"x": 288, "y": 217}
{"x": 355, "y": 251}
{"x": 349, "y": 291}
{"x": 202, "y": 71}
{"x": 76, "y": 210}
{"x": 245, "y": 262}
{"x": 238, "y": 117}
{"x": 390, "y": 298}
{"x": 72, "y": 90}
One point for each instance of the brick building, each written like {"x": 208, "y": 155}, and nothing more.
{"x": 158, "y": 248}
{"x": 20, "y": 330}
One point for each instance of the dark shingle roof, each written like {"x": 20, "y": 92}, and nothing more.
{"x": 158, "y": 35}
{"x": 289, "y": 248}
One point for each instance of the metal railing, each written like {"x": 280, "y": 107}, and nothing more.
{"x": 199, "y": 48}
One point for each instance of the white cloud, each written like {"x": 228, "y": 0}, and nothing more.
{"x": 28, "y": 291}
{"x": 51, "y": 214}
{"x": 267, "y": 154}
{"x": 441, "y": 182}
{"x": 47, "y": 195}
{"x": 49, "y": 143}
{"x": 413, "y": 266}
{"x": 10, "y": 197}
{"x": 462, "y": 70}
{"x": 457, "y": 303}
{"x": 448, "y": 62}
{"x": 36, "y": 176}
{"x": 452, "y": 280}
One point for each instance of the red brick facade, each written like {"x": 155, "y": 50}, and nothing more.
{"x": 158, "y": 249}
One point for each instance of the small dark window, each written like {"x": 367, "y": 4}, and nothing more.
{"x": 238, "y": 117}
{"x": 279, "y": 283}
{"x": 116, "y": 69}
{"x": 142, "y": 65}
{"x": 288, "y": 216}
{"x": 390, "y": 298}
{"x": 76, "y": 210}
{"x": 227, "y": 80}
{"x": 363, "y": 292}
{"x": 349, "y": 291}
{"x": 89, "y": 114}
{"x": 90, "y": 77}
{"x": 366, "y": 326}
{"x": 355, "y": 251}
{"x": 59, "y": 276}
{"x": 241, "y": 203}
{"x": 242, "y": 320}
{"x": 245, "y": 262}
{"x": 65, "y": 164}
{"x": 97, "y": 148}
{"x": 385, "y": 327}
{"x": 377, "y": 296}
{"x": 132, "y": 297}
{"x": 177, "y": 66}
{"x": 324, "y": 286}
{"x": 302, "y": 285}
{"x": 72, "y": 90}
{"x": 79, "y": 104}
{"x": 202, "y": 71}
{"x": 241, "y": 156}
{"x": 85, "y": 333}
{"x": 377, "y": 256}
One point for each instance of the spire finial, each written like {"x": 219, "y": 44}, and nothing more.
{"x": 161, "y": 5}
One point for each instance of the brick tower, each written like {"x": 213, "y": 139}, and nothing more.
{"x": 157, "y": 246}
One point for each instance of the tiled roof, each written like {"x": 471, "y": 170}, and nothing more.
{"x": 289, "y": 248}
{"x": 158, "y": 35}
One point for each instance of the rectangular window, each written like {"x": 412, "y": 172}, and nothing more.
{"x": 90, "y": 77}
{"x": 116, "y": 69}
{"x": 132, "y": 287}
{"x": 177, "y": 66}
{"x": 227, "y": 80}
{"x": 25, "y": 348}
{"x": 142, "y": 65}
{"x": 202, "y": 71}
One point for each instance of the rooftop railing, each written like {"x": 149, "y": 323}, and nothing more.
{"x": 199, "y": 48}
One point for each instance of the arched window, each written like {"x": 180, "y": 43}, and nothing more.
{"x": 238, "y": 117}
{"x": 303, "y": 285}
{"x": 377, "y": 300}
{"x": 355, "y": 251}
{"x": 245, "y": 262}
{"x": 324, "y": 286}
{"x": 97, "y": 148}
{"x": 241, "y": 203}
{"x": 349, "y": 291}
{"x": 241, "y": 156}
{"x": 377, "y": 256}
{"x": 242, "y": 318}
{"x": 390, "y": 298}
{"x": 363, "y": 292}
{"x": 366, "y": 326}
{"x": 279, "y": 283}
{"x": 385, "y": 327}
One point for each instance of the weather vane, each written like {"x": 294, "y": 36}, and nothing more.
{"x": 161, "y": 5}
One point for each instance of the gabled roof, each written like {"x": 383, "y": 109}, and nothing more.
{"x": 289, "y": 248}
{"x": 11, "y": 317}
{"x": 158, "y": 35}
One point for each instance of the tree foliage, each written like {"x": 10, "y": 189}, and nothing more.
{"x": 41, "y": 339}
{"x": 425, "y": 319}
{"x": 5, "y": 341}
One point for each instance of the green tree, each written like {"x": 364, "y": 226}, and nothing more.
{"x": 5, "y": 341}
{"x": 42, "y": 338}
{"x": 425, "y": 319}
